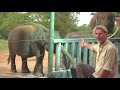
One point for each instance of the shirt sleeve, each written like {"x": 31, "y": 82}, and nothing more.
{"x": 94, "y": 48}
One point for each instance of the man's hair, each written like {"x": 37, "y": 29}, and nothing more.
{"x": 100, "y": 27}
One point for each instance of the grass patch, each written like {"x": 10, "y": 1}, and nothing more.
{"x": 3, "y": 45}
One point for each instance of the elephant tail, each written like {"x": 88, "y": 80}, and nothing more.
{"x": 8, "y": 59}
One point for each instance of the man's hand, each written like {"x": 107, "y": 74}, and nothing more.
{"x": 103, "y": 73}
{"x": 85, "y": 44}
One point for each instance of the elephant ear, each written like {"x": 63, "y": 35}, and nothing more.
{"x": 103, "y": 18}
{"x": 93, "y": 22}
{"x": 39, "y": 36}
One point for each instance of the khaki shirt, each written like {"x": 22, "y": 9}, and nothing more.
{"x": 106, "y": 58}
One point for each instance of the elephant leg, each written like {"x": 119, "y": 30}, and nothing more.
{"x": 24, "y": 65}
{"x": 13, "y": 65}
{"x": 38, "y": 70}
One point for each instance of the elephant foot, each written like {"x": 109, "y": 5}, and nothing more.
{"x": 26, "y": 71}
{"x": 39, "y": 74}
{"x": 14, "y": 71}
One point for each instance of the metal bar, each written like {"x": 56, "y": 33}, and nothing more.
{"x": 51, "y": 44}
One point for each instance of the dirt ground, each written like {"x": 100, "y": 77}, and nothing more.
{"x": 5, "y": 68}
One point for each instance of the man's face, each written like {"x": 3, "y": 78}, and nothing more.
{"x": 101, "y": 35}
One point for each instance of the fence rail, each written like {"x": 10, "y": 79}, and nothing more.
{"x": 79, "y": 54}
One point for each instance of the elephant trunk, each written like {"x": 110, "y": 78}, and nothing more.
{"x": 68, "y": 55}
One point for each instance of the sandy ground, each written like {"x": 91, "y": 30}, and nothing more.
{"x": 5, "y": 68}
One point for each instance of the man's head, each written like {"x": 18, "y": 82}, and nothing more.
{"x": 100, "y": 27}
{"x": 101, "y": 33}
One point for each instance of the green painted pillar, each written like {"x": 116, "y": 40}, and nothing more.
{"x": 51, "y": 44}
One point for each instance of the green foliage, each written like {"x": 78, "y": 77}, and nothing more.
{"x": 64, "y": 21}
{"x": 40, "y": 17}
{"x": 9, "y": 21}
{"x": 84, "y": 28}
{"x": 116, "y": 14}
{"x": 3, "y": 45}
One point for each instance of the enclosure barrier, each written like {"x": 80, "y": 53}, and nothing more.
{"x": 84, "y": 55}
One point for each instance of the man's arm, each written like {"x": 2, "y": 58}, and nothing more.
{"x": 103, "y": 73}
{"x": 84, "y": 44}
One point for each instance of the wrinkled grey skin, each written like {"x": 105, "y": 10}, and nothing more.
{"x": 103, "y": 18}
{"x": 27, "y": 41}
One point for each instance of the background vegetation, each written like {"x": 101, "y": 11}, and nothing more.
{"x": 3, "y": 45}
{"x": 65, "y": 22}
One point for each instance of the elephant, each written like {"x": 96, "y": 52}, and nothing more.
{"x": 30, "y": 40}
{"x": 103, "y": 18}
{"x": 79, "y": 35}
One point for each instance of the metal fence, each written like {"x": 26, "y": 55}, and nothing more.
{"x": 79, "y": 54}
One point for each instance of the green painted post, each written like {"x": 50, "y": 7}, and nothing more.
{"x": 85, "y": 55}
{"x": 78, "y": 58}
{"x": 58, "y": 52}
{"x": 51, "y": 44}
{"x": 57, "y": 61}
{"x": 72, "y": 51}
{"x": 64, "y": 57}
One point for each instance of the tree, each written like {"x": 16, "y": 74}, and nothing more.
{"x": 9, "y": 20}
{"x": 84, "y": 28}
{"x": 64, "y": 21}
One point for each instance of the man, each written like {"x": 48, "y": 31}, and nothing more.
{"x": 106, "y": 57}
